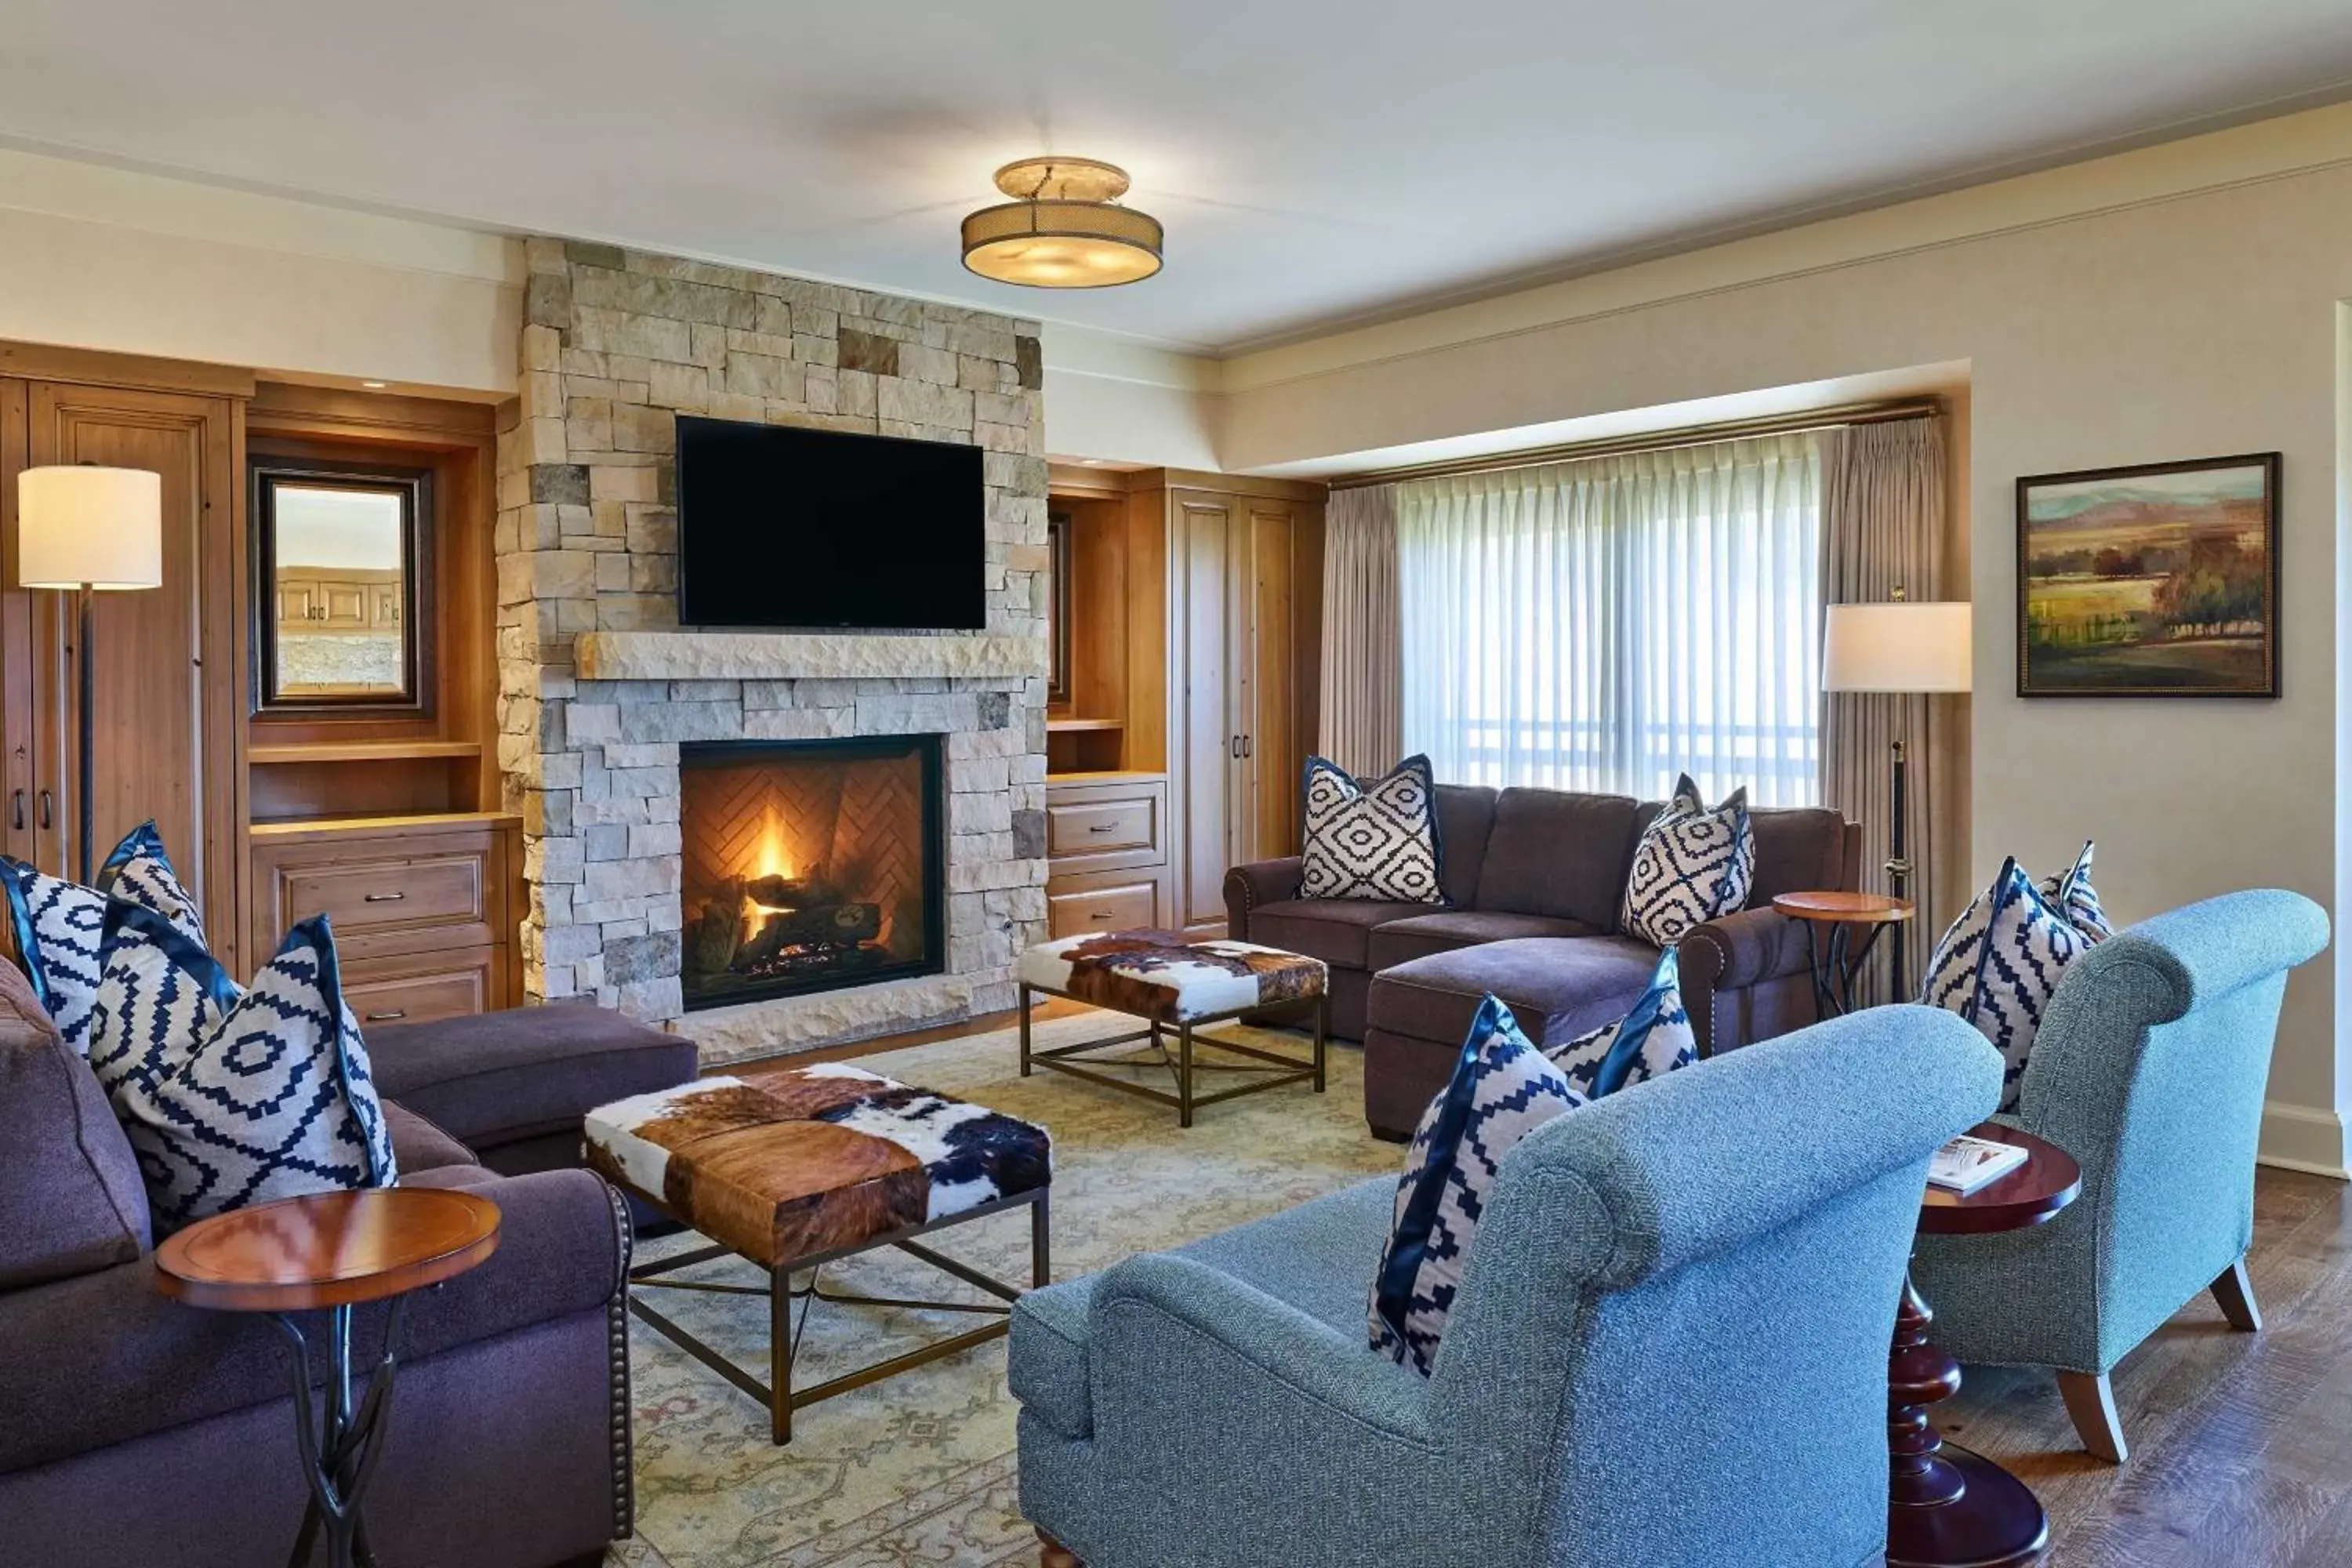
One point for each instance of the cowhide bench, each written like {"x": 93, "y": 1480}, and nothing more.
{"x": 795, "y": 1169}
{"x": 1175, "y": 986}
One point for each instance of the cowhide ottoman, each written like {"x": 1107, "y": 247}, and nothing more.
{"x": 795, "y": 1169}
{"x": 1175, "y": 986}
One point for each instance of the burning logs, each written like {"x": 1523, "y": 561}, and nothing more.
{"x": 844, "y": 924}
{"x": 747, "y": 921}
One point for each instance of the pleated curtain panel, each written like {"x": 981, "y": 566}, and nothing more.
{"x": 1362, "y": 707}
{"x": 1883, "y": 522}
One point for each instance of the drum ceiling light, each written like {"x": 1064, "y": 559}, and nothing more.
{"x": 1063, "y": 229}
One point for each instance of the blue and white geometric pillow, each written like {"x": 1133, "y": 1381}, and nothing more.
{"x": 59, "y": 924}
{"x": 267, "y": 1096}
{"x": 2071, "y": 893}
{"x": 1998, "y": 963}
{"x": 1501, "y": 1090}
{"x": 1691, "y": 866}
{"x": 1372, "y": 838}
{"x": 1651, "y": 1040}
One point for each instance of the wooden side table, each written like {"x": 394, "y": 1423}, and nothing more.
{"x": 1949, "y": 1507}
{"x": 332, "y": 1251}
{"x": 1837, "y": 962}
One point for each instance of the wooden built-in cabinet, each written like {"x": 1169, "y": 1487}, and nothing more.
{"x": 1195, "y": 610}
{"x": 386, "y": 822}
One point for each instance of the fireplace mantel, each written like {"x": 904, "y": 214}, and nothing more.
{"x": 802, "y": 656}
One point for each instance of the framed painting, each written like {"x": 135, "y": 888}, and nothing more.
{"x": 2156, "y": 580}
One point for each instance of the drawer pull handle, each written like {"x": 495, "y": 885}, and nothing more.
{"x": 387, "y": 1015}
{"x": 20, "y": 811}
{"x": 1098, "y": 914}
{"x": 1104, "y": 827}
{"x": 385, "y": 897}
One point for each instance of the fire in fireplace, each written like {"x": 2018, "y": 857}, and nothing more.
{"x": 809, "y": 865}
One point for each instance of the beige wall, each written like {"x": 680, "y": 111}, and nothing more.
{"x": 2180, "y": 322}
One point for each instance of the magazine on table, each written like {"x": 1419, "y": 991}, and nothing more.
{"x": 1965, "y": 1164}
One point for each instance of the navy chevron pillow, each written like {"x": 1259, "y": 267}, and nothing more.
{"x": 1653, "y": 1038}
{"x": 1502, "y": 1089}
{"x": 232, "y": 1098}
{"x": 2070, "y": 892}
{"x": 1692, "y": 866}
{"x": 1999, "y": 964}
{"x": 58, "y": 924}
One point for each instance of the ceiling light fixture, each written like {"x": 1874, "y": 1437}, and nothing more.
{"x": 1063, "y": 229}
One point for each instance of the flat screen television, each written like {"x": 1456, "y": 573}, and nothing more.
{"x": 785, "y": 527}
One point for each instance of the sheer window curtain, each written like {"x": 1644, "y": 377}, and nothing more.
{"x": 1606, "y": 624}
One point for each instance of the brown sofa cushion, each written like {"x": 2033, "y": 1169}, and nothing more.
{"x": 1336, "y": 931}
{"x": 495, "y": 1076}
{"x": 418, "y": 1146}
{"x": 1558, "y": 854}
{"x": 1466, "y": 817}
{"x": 1418, "y": 936}
{"x": 1798, "y": 850}
{"x": 1557, "y": 987}
{"x": 71, "y": 1200}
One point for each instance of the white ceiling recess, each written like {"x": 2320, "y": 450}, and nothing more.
{"x": 1314, "y": 163}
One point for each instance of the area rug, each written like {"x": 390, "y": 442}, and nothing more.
{"x": 919, "y": 1468}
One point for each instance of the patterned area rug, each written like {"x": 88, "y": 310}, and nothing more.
{"x": 919, "y": 1468}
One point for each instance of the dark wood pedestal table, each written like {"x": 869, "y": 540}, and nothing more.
{"x": 1830, "y": 920}
{"x": 331, "y": 1252}
{"x": 1950, "y": 1508}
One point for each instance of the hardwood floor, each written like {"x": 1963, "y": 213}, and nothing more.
{"x": 2241, "y": 1444}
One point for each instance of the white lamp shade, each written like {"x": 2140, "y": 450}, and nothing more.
{"x": 83, "y": 524}
{"x": 1906, "y": 648}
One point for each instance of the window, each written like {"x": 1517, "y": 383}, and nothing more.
{"x": 1607, "y": 624}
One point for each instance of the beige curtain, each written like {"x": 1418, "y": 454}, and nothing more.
{"x": 1883, "y": 522}
{"x": 1362, "y": 689}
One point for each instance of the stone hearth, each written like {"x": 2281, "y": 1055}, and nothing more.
{"x": 599, "y": 688}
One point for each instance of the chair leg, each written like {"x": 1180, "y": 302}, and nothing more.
{"x": 1052, "y": 1553}
{"x": 2091, "y": 1406}
{"x": 2235, "y": 1295}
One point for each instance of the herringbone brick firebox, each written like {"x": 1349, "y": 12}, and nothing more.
{"x": 808, "y": 865}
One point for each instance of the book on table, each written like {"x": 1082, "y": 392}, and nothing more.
{"x": 1965, "y": 1164}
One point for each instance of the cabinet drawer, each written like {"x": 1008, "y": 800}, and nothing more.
{"x": 1098, "y": 827}
{"x": 1123, "y": 907}
{"x": 360, "y": 895}
{"x": 457, "y": 986}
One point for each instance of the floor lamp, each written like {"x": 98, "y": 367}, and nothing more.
{"x": 87, "y": 530}
{"x": 1900, "y": 649}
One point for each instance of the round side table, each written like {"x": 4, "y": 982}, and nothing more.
{"x": 332, "y": 1251}
{"x": 1949, "y": 1507}
{"x": 1837, "y": 962}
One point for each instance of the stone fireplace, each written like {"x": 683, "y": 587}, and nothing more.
{"x": 809, "y": 865}
{"x": 610, "y": 713}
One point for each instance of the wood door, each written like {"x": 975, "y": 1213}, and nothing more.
{"x": 167, "y": 709}
{"x": 1202, "y": 673}
{"x": 1266, "y": 806}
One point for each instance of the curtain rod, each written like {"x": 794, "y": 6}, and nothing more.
{"x": 1655, "y": 441}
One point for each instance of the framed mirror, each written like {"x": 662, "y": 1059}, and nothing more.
{"x": 342, "y": 607}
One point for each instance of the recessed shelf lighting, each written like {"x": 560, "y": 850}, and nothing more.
{"x": 376, "y": 385}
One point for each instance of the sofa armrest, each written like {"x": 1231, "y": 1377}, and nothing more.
{"x": 1740, "y": 950}
{"x": 104, "y": 1357}
{"x": 1259, "y": 882}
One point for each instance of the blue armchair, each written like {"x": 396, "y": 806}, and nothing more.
{"x": 1670, "y": 1348}
{"x": 2149, "y": 1069}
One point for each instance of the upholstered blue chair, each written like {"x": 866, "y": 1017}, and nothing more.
{"x": 1670, "y": 1348}
{"x": 2150, "y": 1068}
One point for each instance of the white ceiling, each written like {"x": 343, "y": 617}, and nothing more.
{"x": 1315, "y": 161}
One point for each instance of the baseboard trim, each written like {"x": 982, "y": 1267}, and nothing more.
{"x": 2301, "y": 1138}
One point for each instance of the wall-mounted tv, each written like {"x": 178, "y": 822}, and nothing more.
{"x": 785, "y": 527}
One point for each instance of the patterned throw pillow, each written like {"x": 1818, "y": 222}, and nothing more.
{"x": 1502, "y": 1089}
{"x": 235, "y": 1098}
{"x": 1691, "y": 866}
{"x": 1651, "y": 1040}
{"x": 2070, "y": 892}
{"x": 1998, "y": 963}
{"x": 58, "y": 923}
{"x": 1371, "y": 840}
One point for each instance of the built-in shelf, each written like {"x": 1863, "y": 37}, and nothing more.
{"x": 1082, "y": 726}
{"x": 1104, "y": 776}
{"x": 295, "y": 829}
{"x": 363, "y": 751}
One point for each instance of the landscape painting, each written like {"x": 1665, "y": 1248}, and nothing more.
{"x": 2159, "y": 581}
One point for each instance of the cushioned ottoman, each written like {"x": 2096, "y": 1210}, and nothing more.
{"x": 1175, "y": 986}
{"x": 797, "y": 1168}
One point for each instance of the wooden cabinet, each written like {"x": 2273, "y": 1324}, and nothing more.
{"x": 420, "y": 906}
{"x": 1246, "y": 589}
{"x": 169, "y": 723}
{"x": 1106, "y": 849}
